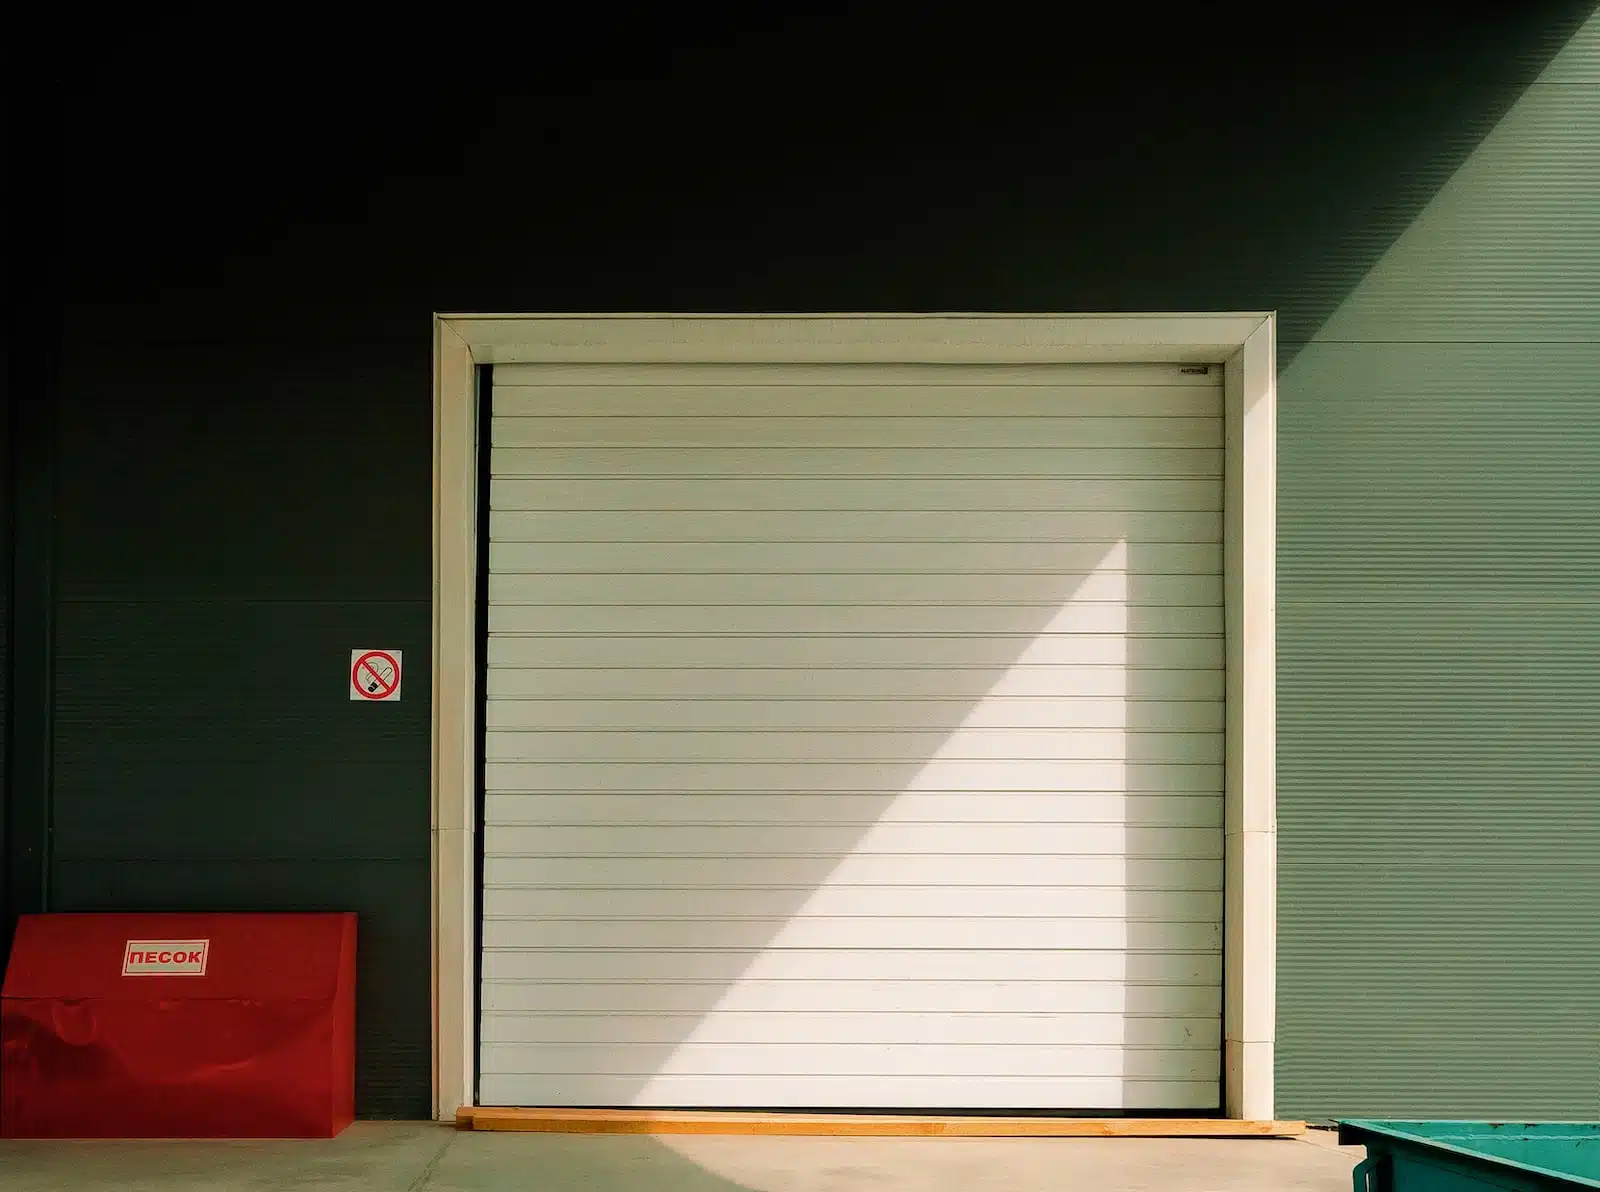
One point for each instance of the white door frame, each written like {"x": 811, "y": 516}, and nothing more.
{"x": 1243, "y": 343}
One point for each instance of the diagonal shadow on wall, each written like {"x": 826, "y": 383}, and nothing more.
{"x": 1438, "y": 546}
{"x": 1267, "y": 169}
{"x": 320, "y": 219}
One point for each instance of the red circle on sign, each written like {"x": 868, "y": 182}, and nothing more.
{"x": 366, "y": 671}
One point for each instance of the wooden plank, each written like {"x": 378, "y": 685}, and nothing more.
{"x": 637, "y": 1121}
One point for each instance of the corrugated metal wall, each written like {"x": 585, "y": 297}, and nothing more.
{"x": 1438, "y": 756}
{"x": 1439, "y": 648}
{"x": 6, "y": 895}
{"x": 1439, "y": 420}
{"x": 232, "y": 522}
{"x": 29, "y": 348}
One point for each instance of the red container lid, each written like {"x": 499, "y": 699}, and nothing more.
{"x": 257, "y": 957}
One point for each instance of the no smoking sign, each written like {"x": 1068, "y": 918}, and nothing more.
{"x": 375, "y": 676}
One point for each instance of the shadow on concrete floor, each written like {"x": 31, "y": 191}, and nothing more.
{"x": 414, "y": 1157}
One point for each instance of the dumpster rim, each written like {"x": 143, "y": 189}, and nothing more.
{"x": 1390, "y": 1129}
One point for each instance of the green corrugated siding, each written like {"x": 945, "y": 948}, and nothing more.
{"x": 1437, "y": 451}
{"x": 1439, "y": 732}
{"x": 1439, "y": 648}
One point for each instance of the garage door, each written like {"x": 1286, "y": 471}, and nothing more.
{"x": 854, "y": 738}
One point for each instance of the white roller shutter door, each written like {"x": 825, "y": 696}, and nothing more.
{"x": 854, "y": 738}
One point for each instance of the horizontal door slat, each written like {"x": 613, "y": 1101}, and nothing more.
{"x": 1126, "y": 471}
{"x": 886, "y": 525}
{"x": 994, "y": 654}
{"x": 841, "y": 840}
{"x": 855, "y": 400}
{"x": 894, "y": 869}
{"x": 1126, "y": 688}
{"x": 958, "y": 1091}
{"x": 931, "y": 1059}
{"x": 932, "y": 746}
{"x": 1009, "y": 775}
{"x": 593, "y": 807}
{"x": 833, "y": 901}
{"x": 1035, "y": 592}
{"x": 1074, "y": 561}
{"x": 995, "y": 488}
{"x": 1179, "y": 983}
{"x": 768, "y": 714}
{"x": 853, "y": 1029}
{"x": 888, "y": 435}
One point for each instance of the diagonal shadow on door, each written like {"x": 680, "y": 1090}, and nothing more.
{"x": 984, "y": 876}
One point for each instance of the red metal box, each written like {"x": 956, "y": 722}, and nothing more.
{"x": 179, "y": 1026}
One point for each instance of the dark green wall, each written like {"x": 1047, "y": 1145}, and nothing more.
{"x": 253, "y": 244}
{"x": 31, "y": 97}
{"x": 232, "y": 522}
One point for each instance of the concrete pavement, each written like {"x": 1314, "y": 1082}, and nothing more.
{"x": 418, "y": 1157}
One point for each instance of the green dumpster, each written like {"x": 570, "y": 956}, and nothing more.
{"x": 1474, "y": 1156}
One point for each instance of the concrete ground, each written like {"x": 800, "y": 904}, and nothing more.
{"x": 411, "y": 1157}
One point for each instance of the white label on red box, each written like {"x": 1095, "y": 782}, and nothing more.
{"x": 165, "y": 958}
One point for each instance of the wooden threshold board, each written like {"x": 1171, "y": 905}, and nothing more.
{"x": 850, "y": 1125}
